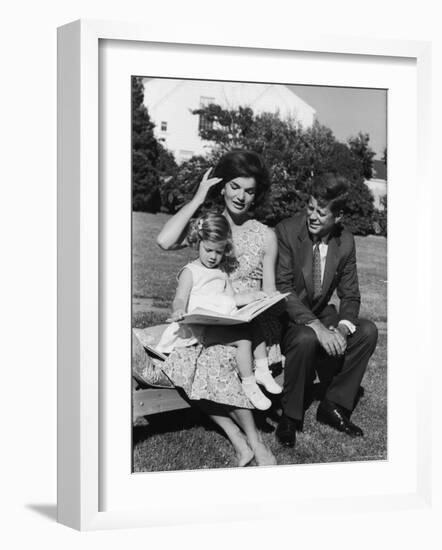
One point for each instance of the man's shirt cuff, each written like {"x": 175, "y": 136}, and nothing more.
{"x": 351, "y": 327}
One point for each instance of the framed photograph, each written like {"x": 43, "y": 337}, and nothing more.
{"x": 142, "y": 118}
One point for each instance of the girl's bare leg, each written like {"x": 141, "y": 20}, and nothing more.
{"x": 248, "y": 380}
{"x": 260, "y": 351}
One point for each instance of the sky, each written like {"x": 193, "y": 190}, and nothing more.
{"x": 347, "y": 111}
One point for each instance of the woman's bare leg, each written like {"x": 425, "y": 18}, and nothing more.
{"x": 243, "y": 452}
{"x": 263, "y": 455}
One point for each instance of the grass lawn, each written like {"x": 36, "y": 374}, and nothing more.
{"x": 187, "y": 439}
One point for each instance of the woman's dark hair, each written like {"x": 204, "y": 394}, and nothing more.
{"x": 241, "y": 163}
{"x": 329, "y": 190}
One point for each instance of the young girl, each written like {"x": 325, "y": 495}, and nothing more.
{"x": 205, "y": 283}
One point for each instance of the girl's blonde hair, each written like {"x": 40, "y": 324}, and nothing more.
{"x": 215, "y": 228}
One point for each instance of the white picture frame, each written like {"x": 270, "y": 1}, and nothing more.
{"x": 81, "y": 294}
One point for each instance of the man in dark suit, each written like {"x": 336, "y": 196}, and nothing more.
{"x": 316, "y": 257}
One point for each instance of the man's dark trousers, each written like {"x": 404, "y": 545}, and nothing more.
{"x": 305, "y": 358}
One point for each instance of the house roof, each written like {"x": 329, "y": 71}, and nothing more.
{"x": 260, "y": 97}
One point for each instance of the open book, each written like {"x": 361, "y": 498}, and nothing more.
{"x": 245, "y": 314}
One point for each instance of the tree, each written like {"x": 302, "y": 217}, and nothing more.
{"x": 294, "y": 155}
{"x": 226, "y": 127}
{"x": 151, "y": 162}
{"x": 177, "y": 191}
{"x": 361, "y": 150}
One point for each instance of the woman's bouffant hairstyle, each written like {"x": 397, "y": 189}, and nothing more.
{"x": 241, "y": 163}
{"x": 215, "y": 228}
{"x": 330, "y": 190}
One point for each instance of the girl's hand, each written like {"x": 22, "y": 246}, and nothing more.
{"x": 245, "y": 298}
{"x": 205, "y": 185}
{"x": 272, "y": 293}
{"x": 259, "y": 294}
{"x": 177, "y": 315}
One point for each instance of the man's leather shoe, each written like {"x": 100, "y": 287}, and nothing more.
{"x": 286, "y": 431}
{"x": 333, "y": 415}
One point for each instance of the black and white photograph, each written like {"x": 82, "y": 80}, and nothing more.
{"x": 259, "y": 274}
{"x": 221, "y": 275}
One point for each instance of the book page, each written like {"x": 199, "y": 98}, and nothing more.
{"x": 251, "y": 310}
{"x": 243, "y": 315}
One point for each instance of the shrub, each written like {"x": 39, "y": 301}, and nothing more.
{"x": 292, "y": 153}
{"x": 150, "y": 160}
{"x": 380, "y": 219}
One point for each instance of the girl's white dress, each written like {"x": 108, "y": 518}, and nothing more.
{"x": 208, "y": 292}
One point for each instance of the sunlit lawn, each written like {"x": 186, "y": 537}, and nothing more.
{"x": 186, "y": 439}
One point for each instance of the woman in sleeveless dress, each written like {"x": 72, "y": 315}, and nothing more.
{"x": 241, "y": 180}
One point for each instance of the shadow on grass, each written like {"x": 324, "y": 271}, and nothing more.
{"x": 170, "y": 422}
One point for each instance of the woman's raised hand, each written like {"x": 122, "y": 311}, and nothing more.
{"x": 173, "y": 233}
{"x": 205, "y": 185}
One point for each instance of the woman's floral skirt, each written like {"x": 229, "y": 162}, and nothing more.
{"x": 207, "y": 373}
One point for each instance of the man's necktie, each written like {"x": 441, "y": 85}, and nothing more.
{"x": 317, "y": 285}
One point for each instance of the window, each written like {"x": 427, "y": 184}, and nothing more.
{"x": 204, "y": 124}
{"x": 163, "y": 126}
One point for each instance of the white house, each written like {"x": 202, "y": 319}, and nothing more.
{"x": 170, "y": 104}
{"x": 378, "y": 183}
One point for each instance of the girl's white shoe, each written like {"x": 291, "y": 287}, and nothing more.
{"x": 252, "y": 391}
{"x": 264, "y": 377}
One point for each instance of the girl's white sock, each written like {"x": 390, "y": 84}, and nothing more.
{"x": 264, "y": 376}
{"x": 248, "y": 379}
{"x": 262, "y": 363}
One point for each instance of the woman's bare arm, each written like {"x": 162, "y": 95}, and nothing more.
{"x": 173, "y": 234}
{"x": 269, "y": 262}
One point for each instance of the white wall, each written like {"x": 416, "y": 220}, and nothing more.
{"x": 379, "y": 189}
{"x": 28, "y": 279}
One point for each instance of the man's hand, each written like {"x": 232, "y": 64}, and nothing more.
{"x": 331, "y": 340}
{"x": 342, "y": 332}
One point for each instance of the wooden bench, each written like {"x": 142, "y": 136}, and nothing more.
{"x": 147, "y": 401}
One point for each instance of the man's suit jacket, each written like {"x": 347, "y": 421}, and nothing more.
{"x": 294, "y": 272}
